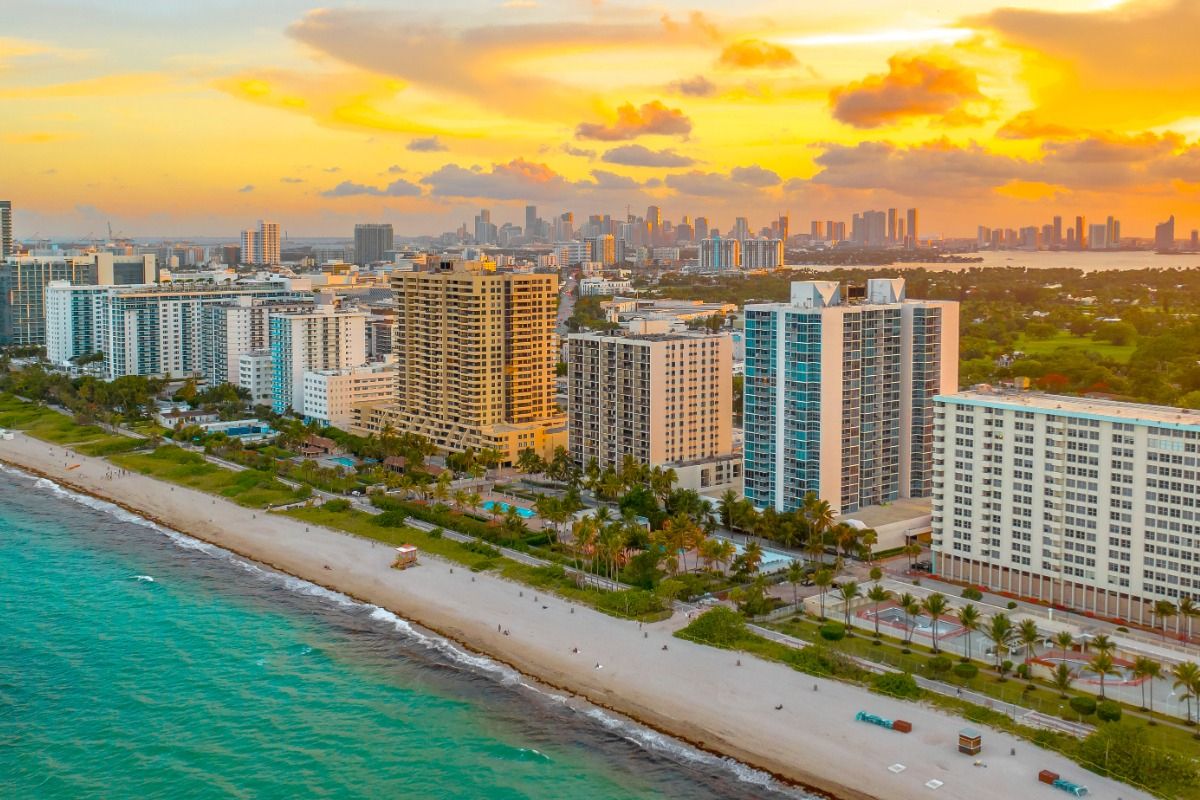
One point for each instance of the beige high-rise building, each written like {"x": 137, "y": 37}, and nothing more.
{"x": 476, "y": 352}
{"x": 666, "y": 399}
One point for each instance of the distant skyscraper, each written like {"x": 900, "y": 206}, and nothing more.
{"x": 1110, "y": 232}
{"x": 784, "y": 231}
{"x": 1081, "y": 233}
{"x": 741, "y": 229}
{"x": 6, "y": 234}
{"x": 1097, "y": 237}
{"x": 891, "y": 230}
{"x": 1164, "y": 234}
{"x": 1195, "y": 247}
{"x": 485, "y": 231}
{"x": 701, "y": 228}
{"x": 837, "y": 231}
{"x": 817, "y": 232}
{"x": 371, "y": 241}
{"x": 261, "y": 246}
{"x": 1057, "y": 239}
{"x": 912, "y": 231}
{"x": 717, "y": 254}
{"x": 762, "y": 253}
{"x": 654, "y": 221}
{"x": 531, "y": 223}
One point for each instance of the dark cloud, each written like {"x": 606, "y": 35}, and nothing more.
{"x": 429, "y": 144}
{"x": 516, "y": 180}
{"x": 606, "y": 180}
{"x": 695, "y": 86}
{"x": 635, "y": 155}
{"x": 397, "y": 188}
{"x": 756, "y": 54}
{"x": 920, "y": 86}
{"x": 938, "y": 167}
{"x": 715, "y": 184}
{"x": 631, "y": 122}
{"x": 579, "y": 152}
{"x": 249, "y": 187}
{"x": 754, "y": 175}
{"x": 396, "y": 169}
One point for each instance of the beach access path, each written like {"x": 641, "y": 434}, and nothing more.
{"x": 691, "y": 691}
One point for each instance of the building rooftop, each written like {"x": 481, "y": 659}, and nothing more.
{"x": 1064, "y": 405}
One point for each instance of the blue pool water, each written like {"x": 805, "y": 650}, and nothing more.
{"x": 345, "y": 462}
{"x": 772, "y": 560}
{"x": 502, "y": 507}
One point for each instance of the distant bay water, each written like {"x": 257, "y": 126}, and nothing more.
{"x": 136, "y": 662}
{"x": 1097, "y": 261}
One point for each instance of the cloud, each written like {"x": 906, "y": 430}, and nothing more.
{"x": 737, "y": 183}
{"x": 1026, "y": 125}
{"x": 291, "y": 180}
{"x": 635, "y": 155}
{"x": 429, "y": 144}
{"x": 516, "y": 180}
{"x": 652, "y": 118}
{"x": 756, "y": 54}
{"x": 577, "y": 151}
{"x": 249, "y": 187}
{"x": 397, "y": 188}
{"x": 938, "y": 167}
{"x": 396, "y": 169}
{"x": 918, "y": 86}
{"x": 611, "y": 181}
{"x": 333, "y": 169}
{"x": 695, "y": 86}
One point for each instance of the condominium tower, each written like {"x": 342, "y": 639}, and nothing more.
{"x": 323, "y": 339}
{"x": 476, "y": 353}
{"x": 665, "y": 399}
{"x": 1089, "y": 504}
{"x": 839, "y": 388}
{"x": 371, "y": 241}
{"x": 261, "y": 245}
{"x": 6, "y": 234}
{"x": 233, "y": 327}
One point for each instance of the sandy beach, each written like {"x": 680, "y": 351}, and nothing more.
{"x": 696, "y": 693}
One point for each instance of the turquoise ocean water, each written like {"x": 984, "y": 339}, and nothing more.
{"x": 135, "y": 662}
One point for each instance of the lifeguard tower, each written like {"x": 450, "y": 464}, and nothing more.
{"x": 406, "y": 556}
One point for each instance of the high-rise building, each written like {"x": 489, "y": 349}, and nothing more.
{"x": 1098, "y": 236}
{"x": 331, "y": 396}
{"x": 321, "y": 339}
{"x": 485, "y": 231}
{"x": 23, "y": 282}
{"x": 602, "y": 249}
{"x": 665, "y": 399}
{"x": 839, "y": 388}
{"x": 1195, "y": 243}
{"x": 891, "y": 226}
{"x": 142, "y": 330}
{"x": 1164, "y": 234}
{"x": 229, "y": 328}
{"x": 1088, "y": 504}
{"x": 837, "y": 231}
{"x": 476, "y": 354}
{"x": 532, "y": 223}
{"x": 912, "y": 234}
{"x": 741, "y": 229}
{"x": 717, "y": 254}
{"x": 564, "y": 227}
{"x": 371, "y": 241}
{"x": 1081, "y": 233}
{"x": 1057, "y": 239}
{"x": 817, "y": 231}
{"x": 783, "y": 228}
{"x": 1112, "y": 230}
{"x": 701, "y": 228}
{"x": 6, "y": 230}
{"x": 762, "y": 254}
{"x": 654, "y": 223}
{"x": 261, "y": 245}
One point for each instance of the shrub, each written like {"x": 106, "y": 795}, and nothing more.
{"x": 722, "y": 627}
{"x": 391, "y": 519}
{"x": 482, "y": 549}
{"x": 1023, "y": 671}
{"x": 1012, "y": 604}
{"x": 971, "y": 593}
{"x": 896, "y": 684}
{"x": 1083, "y": 705}
{"x": 1005, "y": 667}
{"x": 1125, "y": 751}
{"x": 436, "y": 533}
{"x": 940, "y": 665}
{"x": 833, "y": 631}
{"x": 630, "y": 602}
{"x": 1108, "y": 711}
{"x": 337, "y": 505}
{"x": 966, "y": 671}
{"x": 818, "y": 659}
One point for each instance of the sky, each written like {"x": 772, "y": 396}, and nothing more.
{"x": 198, "y": 117}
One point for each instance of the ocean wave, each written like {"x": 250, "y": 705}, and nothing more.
{"x": 143, "y": 578}
{"x": 645, "y": 738}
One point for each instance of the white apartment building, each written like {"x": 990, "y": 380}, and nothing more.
{"x": 762, "y": 253}
{"x": 239, "y": 326}
{"x": 325, "y": 339}
{"x": 665, "y": 399}
{"x": 255, "y": 374}
{"x": 330, "y": 396}
{"x": 1089, "y": 504}
{"x": 718, "y": 255}
{"x": 839, "y": 388}
{"x": 589, "y": 287}
{"x": 261, "y": 245}
{"x": 142, "y": 330}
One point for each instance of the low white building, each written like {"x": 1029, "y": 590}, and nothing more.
{"x": 254, "y": 375}
{"x": 330, "y": 396}
{"x": 602, "y": 286}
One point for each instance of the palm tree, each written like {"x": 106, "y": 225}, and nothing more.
{"x": 795, "y": 575}
{"x": 911, "y": 610}
{"x": 1065, "y": 642}
{"x": 753, "y": 556}
{"x": 1147, "y": 670}
{"x": 1102, "y": 664}
{"x": 878, "y": 595}
{"x": 849, "y": 591}
{"x": 814, "y": 547}
{"x": 1103, "y": 643}
{"x": 1029, "y": 635}
{"x": 1062, "y": 678}
{"x": 1164, "y": 610}
{"x": 727, "y": 507}
{"x": 968, "y": 618}
{"x": 1188, "y": 609}
{"x": 823, "y": 579}
{"x": 1000, "y": 632}
{"x": 1187, "y": 682}
{"x": 819, "y": 513}
{"x": 906, "y": 603}
{"x": 935, "y": 606}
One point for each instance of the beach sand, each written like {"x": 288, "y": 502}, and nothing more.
{"x": 690, "y": 691}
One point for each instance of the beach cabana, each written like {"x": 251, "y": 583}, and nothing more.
{"x": 406, "y": 556}
{"x": 970, "y": 741}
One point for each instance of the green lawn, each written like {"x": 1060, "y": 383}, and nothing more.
{"x": 1120, "y": 353}
{"x": 250, "y": 488}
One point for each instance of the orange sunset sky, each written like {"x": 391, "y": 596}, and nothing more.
{"x": 180, "y": 117}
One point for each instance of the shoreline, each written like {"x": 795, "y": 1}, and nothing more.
{"x": 692, "y": 693}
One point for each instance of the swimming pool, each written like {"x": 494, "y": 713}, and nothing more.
{"x": 772, "y": 560}
{"x": 920, "y": 622}
{"x": 502, "y": 507}
{"x": 350, "y": 463}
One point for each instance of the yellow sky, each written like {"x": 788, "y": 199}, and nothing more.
{"x": 200, "y": 117}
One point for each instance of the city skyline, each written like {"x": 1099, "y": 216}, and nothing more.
{"x": 972, "y": 113}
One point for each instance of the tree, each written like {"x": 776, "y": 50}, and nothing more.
{"x": 1062, "y": 678}
{"x": 1147, "y": 670}
{"x": 823, "y": 579}
{"x": 907, "y": 602}
{"x": 876, "y": 574}
{"x": 1163, "y": 610}
{"x": 1187, "y": 683}
{"x": 877, "y": 595}
{"x": 969, "y": 618}
{"x": 727, "y": 507}
{"x": 530, "y": 462}
{"x": 513, "y": 526}
{"x": 1065, "y": 642}
{"x": 1102, "y": 664}
{"x": 935, "y": 606}
{"x": 1029, "y": 635}
{"x": 1103, "y": 643}
{"x": 795, "y": 575}
{"x": 849, "y": 592}
{"x": 753, "y": 556}
{"x": 911, "y": 610}
{"x": 1188, "y": 610}
{"x": 1000, "y": 631}
{"x": 819, "y": 514}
